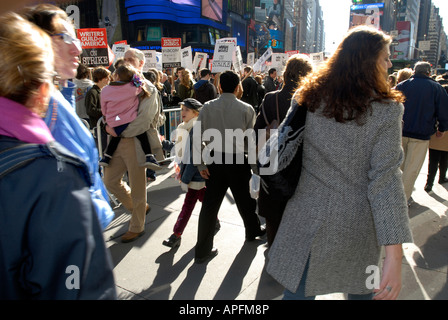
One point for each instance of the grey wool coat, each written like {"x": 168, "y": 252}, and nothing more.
{"x": 349, "y": 203}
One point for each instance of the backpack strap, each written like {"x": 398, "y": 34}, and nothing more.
{"x": 16, "y": 157}
{"x": 278, "y": 113}
{"x": 264, "y": 112}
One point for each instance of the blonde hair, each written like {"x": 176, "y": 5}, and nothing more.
{"x": 27, "y": 58}
{"x": 186, "y": 78}
{"x": 404, "y": 74}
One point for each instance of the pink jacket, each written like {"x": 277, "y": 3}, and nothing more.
{"x": 119, "y": 103}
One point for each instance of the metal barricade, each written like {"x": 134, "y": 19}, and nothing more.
{"x": 98, "y": 137}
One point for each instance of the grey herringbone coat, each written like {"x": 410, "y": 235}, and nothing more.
{"x": 349, "y": 202}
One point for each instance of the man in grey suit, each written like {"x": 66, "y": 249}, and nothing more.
{"x": 227, "y": 168}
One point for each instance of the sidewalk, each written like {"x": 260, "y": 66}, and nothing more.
{"x": 147, "y": 270}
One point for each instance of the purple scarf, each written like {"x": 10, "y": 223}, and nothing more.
{"x": 19, "y": 122}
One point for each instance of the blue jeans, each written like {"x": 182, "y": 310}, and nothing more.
{"x": 300, "y": 293}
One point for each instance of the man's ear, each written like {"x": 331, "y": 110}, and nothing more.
{"x": 39, "y": 103}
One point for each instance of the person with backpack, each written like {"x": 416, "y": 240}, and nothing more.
{"x": 204, "y": 90}
{"x": 52, "y": 242}
{"x": 275, "y": 107}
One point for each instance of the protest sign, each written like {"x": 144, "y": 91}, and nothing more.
{"x": 238, "y": 60}
{"x": 187, "y": 58}
{"x": 119, "y": 49}
{"x": 95, "y": 51}
{"x": 150, "y": 59}
{"x": 251, "y": 59}
{"x": 260, "y": 65}
{"x": 200, "y": 61}
{"x": 317, "y": 58}
{"x": 171, "y": 55}
{"x": 223, "y": 57}
{"x": 278, "y": 61}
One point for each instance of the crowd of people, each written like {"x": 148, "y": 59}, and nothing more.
{"x": 362, "y": 136}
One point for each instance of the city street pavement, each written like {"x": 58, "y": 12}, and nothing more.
{"x": 147, "y": 270}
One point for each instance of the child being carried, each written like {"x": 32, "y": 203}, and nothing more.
{"x": 119, "y": 105}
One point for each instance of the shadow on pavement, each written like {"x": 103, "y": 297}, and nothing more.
{"x": 231, "y": 285}
{"x": 435, "y": 256}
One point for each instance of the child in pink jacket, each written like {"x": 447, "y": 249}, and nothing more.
{"x": 119, "y": 105}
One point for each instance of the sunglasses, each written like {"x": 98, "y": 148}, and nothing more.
{"x": 68, "y": 39}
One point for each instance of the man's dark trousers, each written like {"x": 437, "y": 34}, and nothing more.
{"x": 224, "y": 176}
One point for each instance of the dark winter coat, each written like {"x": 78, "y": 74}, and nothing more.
{"x": 93, "y": 105}
{"x": 426, "y": 105}
{"x": 250, "y": 92}
{"x": 204, "y": 91}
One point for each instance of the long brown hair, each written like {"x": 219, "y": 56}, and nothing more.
{"x": 186, "y": 79}
{"x": 351, "y": 79}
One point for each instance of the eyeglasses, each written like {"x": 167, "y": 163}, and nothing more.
{"x": 68, "y": 39}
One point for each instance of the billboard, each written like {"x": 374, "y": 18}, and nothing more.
{"x": 212, "y": 9}
{"x": 401, "y": 51}
{"x": 367, "y": 14}
{"x": 270, "y": 12}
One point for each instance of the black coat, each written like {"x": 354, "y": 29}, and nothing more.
{"x": 204, "y": 91}
{"x": 270, "y": 105}
{"x": 250, "y": 92}
{"x": 93, "y": 105}
{"x": 269, "y": 84}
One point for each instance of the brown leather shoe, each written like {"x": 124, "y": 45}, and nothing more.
{"x": 131, "y": 236}
{"x": 148, "y": 208}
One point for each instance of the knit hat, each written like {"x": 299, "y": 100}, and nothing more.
{"x": 191, "y": 103}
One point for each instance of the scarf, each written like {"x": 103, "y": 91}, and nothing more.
{"x": 17, "y": 121}
{"x": 182, "y": 134}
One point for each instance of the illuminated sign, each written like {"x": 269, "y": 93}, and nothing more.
{"x": 366, "y": 14}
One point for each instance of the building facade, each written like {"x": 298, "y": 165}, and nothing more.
{"x": 283, "y": 25}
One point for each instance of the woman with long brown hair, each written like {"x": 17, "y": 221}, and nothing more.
{"x": 350, "y": 201}
{"x": 186, "y": 84}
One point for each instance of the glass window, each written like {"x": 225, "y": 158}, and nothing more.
{"x": 211, "y": 33}
{"x": 191, "y": 35}
{"x": 141, "y": 34}
{"x": 153, "y": 34}
{"x": 204, "y": 37}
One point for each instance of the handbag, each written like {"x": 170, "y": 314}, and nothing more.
{"x": 286, "y": 144}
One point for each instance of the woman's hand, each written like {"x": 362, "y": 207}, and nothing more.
{"x": 390, "y": 285}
